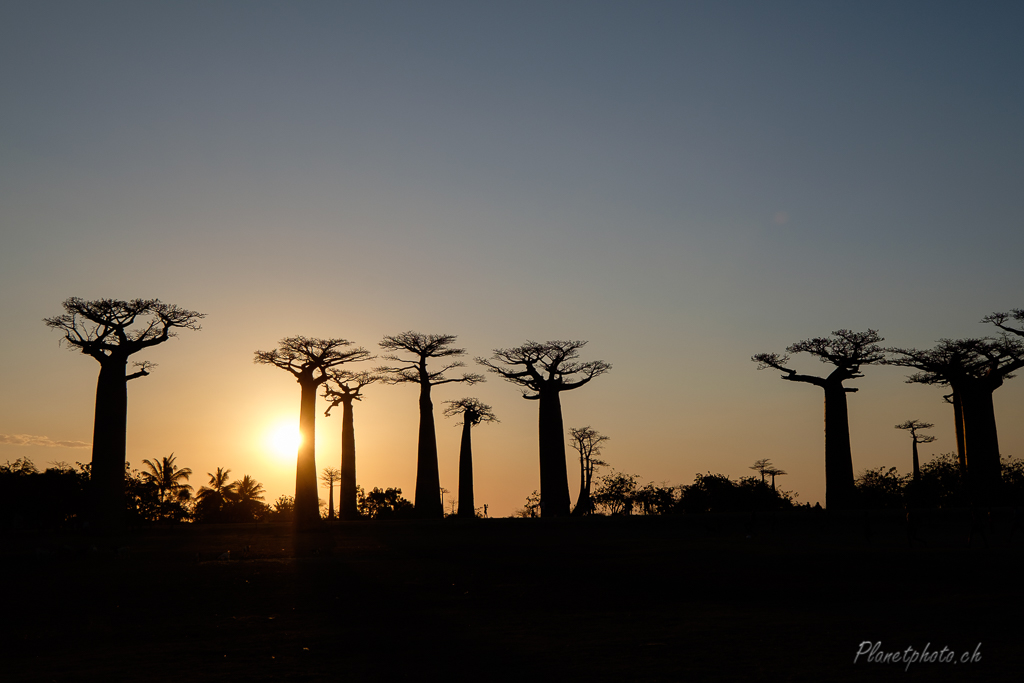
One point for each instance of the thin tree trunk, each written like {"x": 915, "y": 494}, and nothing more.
{"x": 917, "y": 463}
{"x": 583, "y": 499}
{"x": 330, "y": 499}
{"x": 347, "y": 508}
{"x": 110, "y": 423}
{"x": 467, "y": 505}
{"x": 307, "y": 508}
{"x": 839, "y": 487}
{"x": 961, "y": 447}
{"x": 554, "y": 478}
{"x": 428, "y": 482}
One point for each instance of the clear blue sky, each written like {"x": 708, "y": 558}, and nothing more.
{"x": 683, "y": 184}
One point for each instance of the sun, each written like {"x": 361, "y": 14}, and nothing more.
{"x": 283, "y": 439}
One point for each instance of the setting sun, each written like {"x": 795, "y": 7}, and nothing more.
{"x": 283, "y": 439}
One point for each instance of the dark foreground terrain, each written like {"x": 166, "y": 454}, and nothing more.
{"x": 790, "y": 597}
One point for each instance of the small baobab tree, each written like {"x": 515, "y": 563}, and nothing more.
{"x": 411, "y": 351}
{"x": 774, "y": 472}
{"x": 913, "y": 426}
{"x": 330, "y": 476}
{"x": 544, "y": 371}
{"x": 846, "y": 351}
{"x": 308, "y": 360}
{"x": 587, "y": 442}
{"x": 343, "y": 389}
{"x": 761, "y": 467}
{"x": 473, "y": 412}
{"x": 111, "y": 331}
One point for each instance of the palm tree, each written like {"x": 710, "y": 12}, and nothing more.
{"x": 168, "y": 479}
{"x": 248, "y": 495}
{"x": 214, "y": 497}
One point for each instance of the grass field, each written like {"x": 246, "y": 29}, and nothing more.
{"x": 706, "y": 597}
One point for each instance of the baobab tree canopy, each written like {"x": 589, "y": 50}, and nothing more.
{"x": 111, "y": 330}
{"x": 846, "y": 351}
{"x": 547, "y": 369}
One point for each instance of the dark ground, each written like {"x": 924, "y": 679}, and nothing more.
{"x": 601, "y": 599}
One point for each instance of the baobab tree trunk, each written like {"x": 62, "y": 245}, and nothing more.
{"x": 307, "y": 502}
{"x": 347, "y": 508}
{"x": 467, "y": 506}
{"x": 839, "y": 487}
{"x": 554, "y": 478}
{"x": 917, "y": 463}
{"x": 982, "y": 441}
{"x": 108, "y": 445}
{"x": 961, "y": 447}
{"x": 428, "y": 484}
{"x": 330, "y": 500}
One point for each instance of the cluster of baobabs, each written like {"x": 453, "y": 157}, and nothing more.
{"x": 112, "y": 330}
{"x": 969, "y": 369}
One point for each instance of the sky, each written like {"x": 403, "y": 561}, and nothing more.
{"x": 681, "y": 184}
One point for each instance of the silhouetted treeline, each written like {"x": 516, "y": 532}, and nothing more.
{"x": 621, "y": 494}
{"x": 941, "y": 485}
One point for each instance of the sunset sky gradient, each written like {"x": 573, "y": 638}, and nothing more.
{"x": 683, "y": 184}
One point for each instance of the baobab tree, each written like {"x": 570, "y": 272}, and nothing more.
{"x": 774, "y": 472}
{"x": 308, "y": 360}
{"x": 973, "y": 369}
{"x": 847, "y": 351}
{"x": 330, "y": 476}
{"x": 1000, "y": 320}
{"x": 912, "y": 426}
{"x": 761, "y": 467}
{"x": 111, "y": 331}
{"x": 473, "y": 412}
{"x": 547, "y": 370}
{"x": 422, "y": 348}
{"x": 349, "y": 388}
{"x": 587, "y": 442}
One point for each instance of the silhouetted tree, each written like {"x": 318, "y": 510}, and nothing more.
{"x": 170, "y": 483}
{"x": 473, "y": 412}
{"x": 974, "y": 369}
{"x": 847, "y": 351}
{"x": 329, "y": 476}
{"x": 1000, "y": 320}
{"x": 247, "y": 500}
{"x": 547, "y": 370}
{"x": 774, "y": 472}
{"x": 422, "y": 348}
{"x": 211, "y": 500}
{"x": 587, "y": 443}
{"x": 912, "y": 426}
{"x": 308, "y": 360}
{"x": 111, "y": 331}
{"x": 349, "y": 388}
{"x": 615, "y": 493}
{"x": 761, "y": 467}
{"x": 385, "y": 504}
{"x": 882, "y": 488}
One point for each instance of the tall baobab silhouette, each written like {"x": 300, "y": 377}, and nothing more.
{"x": 847, "y": 351}
{"x": 112, "y": 330}
{"x": 547, "y": 370}
{"x": 473, "y": 412}
{"x": 588, "y": 443}
{"x": 973, "y": 369}
{"x": 422, "y": 348}
{"x": 912, "y": 426}
{"x": 308, "y": 360}
{"x": 349, "y": 388}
